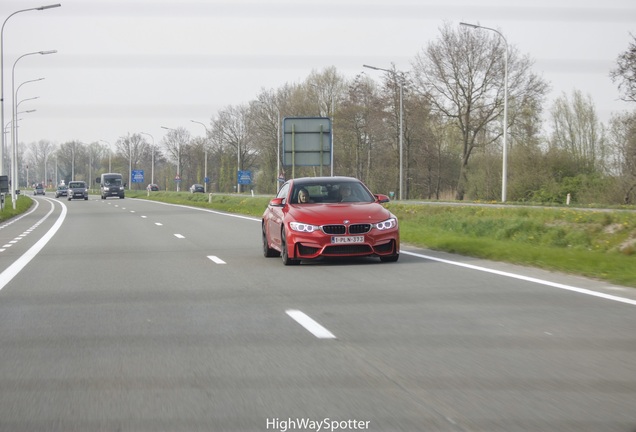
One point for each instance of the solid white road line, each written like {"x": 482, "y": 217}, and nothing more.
{"x": 528, "y": 279}
{"x": 310, "y": 325}
{"x": 15, "y": 268}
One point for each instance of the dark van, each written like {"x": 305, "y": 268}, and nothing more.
{"x": 111, "y": 184}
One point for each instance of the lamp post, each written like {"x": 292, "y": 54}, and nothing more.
{"x": 110, "y": 152}
{"x": 2, "y": 71}
{"x": 332, "y": 127}
{"x": 504, "y": 173}
{"x": 152, "y": 165}
{"x": 14, "y": 171}
{"x": 178, "y": 159}
{"x": 205, "y": 152}
{"x": 18, "y": 104}
{"x": 278, "y": 144}
{"x": 401, "y": 130}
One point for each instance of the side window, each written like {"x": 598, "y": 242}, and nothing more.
{"x": 282, "y": 193}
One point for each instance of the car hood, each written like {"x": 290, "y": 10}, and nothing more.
{"x": 326, "y": 214}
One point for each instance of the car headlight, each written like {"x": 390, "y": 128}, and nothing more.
{"x": 387, "y": 224}
{"x": 302, "y": 227}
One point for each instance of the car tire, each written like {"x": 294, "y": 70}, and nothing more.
{"x": 284, "y": 254}
{"x": 268, "y": 252}
{"x": 390, "y": 258}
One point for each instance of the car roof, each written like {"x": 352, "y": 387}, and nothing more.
{"x": 325, "y": 179}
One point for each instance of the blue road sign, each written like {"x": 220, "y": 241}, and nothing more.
{"x": 137, "y": 176}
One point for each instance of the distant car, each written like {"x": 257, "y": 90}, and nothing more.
{"x": 339, "y": 218}
{"x": 197, "y": 188}
{"x": 62, "y": 190}
{"x": 152, "y": 187}
{"x": 77, "y": 189}
{"x": 39, "y": 190}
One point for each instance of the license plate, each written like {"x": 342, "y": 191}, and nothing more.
{"x": 347, "y": 239}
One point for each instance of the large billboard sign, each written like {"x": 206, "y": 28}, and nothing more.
{"x": 307, "y": 141}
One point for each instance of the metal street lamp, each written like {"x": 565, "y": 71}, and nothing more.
{"x": 178, "y": 159}
{"x": 504, "y": 174}
{"x": 205, "y": 152}
{"x": 110, "y": 153}
{"x": 152, "y": 166}
{"x": 401, "y": 115}
{"x": 333, "y": 114}
{"x": 278, "y": 144}
{"x": 18, "y": 104}
{"x": 2, "y": 71}
{"x": 14, "y": 171}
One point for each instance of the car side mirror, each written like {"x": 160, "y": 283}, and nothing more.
{"x": 380, "y": 198}
{"x": 277, "y": 202}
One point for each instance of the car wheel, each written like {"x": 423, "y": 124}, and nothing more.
{"x": 283, "y": 246}
{"x": 268, "y": 252}
{"x": 390, "y": 258}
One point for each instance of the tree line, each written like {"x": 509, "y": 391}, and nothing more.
{"x": 443, "y": 119}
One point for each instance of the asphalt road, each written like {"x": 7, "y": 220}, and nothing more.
{"x": 127, "y": 315}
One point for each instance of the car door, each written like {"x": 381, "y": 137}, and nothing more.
{"x": 274, "y": 218}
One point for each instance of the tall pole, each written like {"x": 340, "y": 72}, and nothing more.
{"x": 110, "y": 153}
{"x": 178, "y": 159}
{"x": 152, "y": 166}
{"x": 16, "y": 112}
{"x": 504, "y": 170}
{"x": 400, "y": 127}
{"x": 205, "y": 153}
{"x": 14, "y": 170}
{"x": 278, "y": 144}
{"x": 2, "y": 74}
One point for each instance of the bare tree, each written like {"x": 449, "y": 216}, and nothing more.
{"x": 577, "y": 131}
{"x": 38, "y": 155}
{"x": 231, "y": 132}
{"x": 625, "y": 72}
{"x": 71, "y": 158}
{"x": 361, "y": 151}
{"x": 622, "y": 138}
{"x": 464, "y": 74}
{"x": 175, "y": 143}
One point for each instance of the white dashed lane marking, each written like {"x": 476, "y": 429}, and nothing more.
{"x": 216, "y": 259}
{"x": 310, "y": 324}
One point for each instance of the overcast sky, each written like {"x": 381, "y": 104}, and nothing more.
{"x": 135, "y": 65}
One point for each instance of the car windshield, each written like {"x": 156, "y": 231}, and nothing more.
{"x": 332, "y": 192}
{"x": 112, "y": 182}
{"x": 76, "y": 185}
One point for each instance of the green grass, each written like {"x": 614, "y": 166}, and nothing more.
{"x": 586, "y": 242}
{"x": 23, "y": 203}
{"x": 591, "y": 243}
